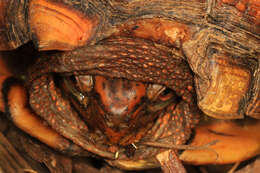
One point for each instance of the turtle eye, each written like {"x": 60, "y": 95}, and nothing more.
{"x": 157, "y": 92}
{"x": 166, "y": 94}
{"x": 78, "y": 87}
{"x": 160, "y": 97}
{"x": 84, "y": 83}
{"x": 153, "y": 91}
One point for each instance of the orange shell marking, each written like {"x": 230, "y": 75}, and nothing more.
{"x": 57, "y": 26}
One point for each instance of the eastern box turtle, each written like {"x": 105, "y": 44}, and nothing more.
{"x": 135, "y": 82}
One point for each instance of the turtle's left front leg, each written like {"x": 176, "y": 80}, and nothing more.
{"x": 14, "y": 102}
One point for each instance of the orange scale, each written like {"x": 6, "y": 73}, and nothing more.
{"x": 241, "y": 6}
{"x": 190, "y": 88}
{"x": 37, "y": 106}
{"x": 53, "y": 98}
{"x": 59, "y": 108}
{"x": 145, "y": 65}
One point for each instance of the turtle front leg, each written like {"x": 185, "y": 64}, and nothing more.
{"x": 173, "y": 129}
{"x": 14, "y": 102}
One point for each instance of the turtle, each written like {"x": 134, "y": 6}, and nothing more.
{"x": 133, "y": 81}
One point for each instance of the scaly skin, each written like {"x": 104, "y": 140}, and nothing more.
{"x": 203, "y": 24}
{"x": 132, "y": 59}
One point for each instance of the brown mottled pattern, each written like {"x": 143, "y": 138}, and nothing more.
{"x": 133, "y": 59}
{"x": 47, "y": 101}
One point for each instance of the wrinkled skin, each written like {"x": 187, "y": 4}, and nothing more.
{"x": 180, "y": 46}
{"x": 117, "y": 57}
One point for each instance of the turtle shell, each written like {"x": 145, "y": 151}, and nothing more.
{"x": 219, "y": 39}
